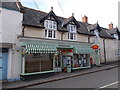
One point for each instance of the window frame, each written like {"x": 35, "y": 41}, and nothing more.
{"x": 72, "y": 31}
{"x": 50, "y": 27}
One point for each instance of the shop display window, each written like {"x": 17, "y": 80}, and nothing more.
{"x": 38, "y": 63}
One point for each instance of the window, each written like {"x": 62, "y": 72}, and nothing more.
{"x": 50, "y": 24}
{"x": 116, "y": 36}
{"x": 72, "y": 32}
{"x": 50, "y": 33}
{"x": 71, "y": 28}
{"x": 38, "y": 63}
{"x": 72, "y": 36}
{"x": 51, "y": 27}
{"x": 96, "y": 32}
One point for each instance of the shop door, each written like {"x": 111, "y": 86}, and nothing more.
{"x": 3, "y": 65}
{"x": 58, "y": 62}
{"x": 67, "y": 63}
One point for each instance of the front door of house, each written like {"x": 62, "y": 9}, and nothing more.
{"x": 3, "y": 64}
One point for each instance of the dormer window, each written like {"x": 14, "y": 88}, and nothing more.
{"x": 50, "y": 28}
{"x": 49, "y": 24}
{"x": 116, "y": 36}
{"x": 72, "y": 32}
{"x": 71, "y": 28}
{"x": 96, "y": 32}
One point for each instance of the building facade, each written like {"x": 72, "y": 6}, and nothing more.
{"x": 41, "y": 43}
{"x": 11, "y": 27}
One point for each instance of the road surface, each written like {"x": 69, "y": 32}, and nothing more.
{"x": 102, "y": 79}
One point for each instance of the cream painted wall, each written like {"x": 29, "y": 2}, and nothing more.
{"x": 110, "y": 46}
{"x": 33, "y": 32}
{"x": 37, "y": 32}
{"x": 82, "y": 38}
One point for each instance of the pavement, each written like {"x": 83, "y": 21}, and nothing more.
{"x": 57, "y": 76}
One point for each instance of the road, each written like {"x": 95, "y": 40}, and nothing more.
{"x": 101, "y": 79}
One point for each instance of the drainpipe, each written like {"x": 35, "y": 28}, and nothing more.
{"x": 104, "y": 50}
{"x": 62, "y": 35}
{"x": 89, "y": 39}
{"x": 23, "y": 31}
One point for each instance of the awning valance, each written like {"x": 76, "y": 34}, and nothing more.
{"x": 84, "y": 51}
{"x": 38, "y": 48}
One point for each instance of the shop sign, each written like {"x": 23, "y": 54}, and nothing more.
{"x": 70, "y": 50}
{"x": 64, "y": 45}
{"x": 95, "y": 46}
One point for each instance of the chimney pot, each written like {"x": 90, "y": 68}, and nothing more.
{"x": 51, "y": 8}
{"x": 72, "y": 14}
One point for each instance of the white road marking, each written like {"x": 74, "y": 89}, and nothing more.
{"x": 109, "y": 85}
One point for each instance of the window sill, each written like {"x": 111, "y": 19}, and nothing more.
{"x": 71, "y": 40}
{"x": 49, "y": 38}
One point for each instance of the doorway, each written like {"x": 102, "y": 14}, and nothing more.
{"x": 3, "y": 64}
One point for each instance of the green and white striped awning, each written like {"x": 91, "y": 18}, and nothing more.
{"x": 39, "y": 48}
{"x": 83, "y": 51}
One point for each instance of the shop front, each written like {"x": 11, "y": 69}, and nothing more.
{"x": 45, "y": 56}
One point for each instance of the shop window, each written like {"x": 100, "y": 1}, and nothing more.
{"x": 38, "y": 63}
{"x": 81, "y": 60}
{"x": 76, "y": 63}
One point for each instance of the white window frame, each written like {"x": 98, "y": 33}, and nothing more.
{"x": 50, "y": 26}
{"x": 72, "y": 31}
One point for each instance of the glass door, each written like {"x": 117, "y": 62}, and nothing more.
{"x": 58, "y": 63}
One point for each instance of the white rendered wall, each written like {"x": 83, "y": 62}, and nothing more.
{"x": 11, "y": 28}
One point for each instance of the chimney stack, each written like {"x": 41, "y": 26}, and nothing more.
{"x": 85, "y": 19}
{"x": 110, "y": 25}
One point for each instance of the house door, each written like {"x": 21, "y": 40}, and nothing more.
{"x": 3, "y": 64}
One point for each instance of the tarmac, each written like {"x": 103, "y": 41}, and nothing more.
{"x": 57, "y": 76}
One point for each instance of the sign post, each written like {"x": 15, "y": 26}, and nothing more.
{"x": 96, "y": 48}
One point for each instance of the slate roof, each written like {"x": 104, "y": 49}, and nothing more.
{"x": 84, "y": 30}
{"x": 102, "y": 31}
{"x": 68, "y": 20}
{"x": 10, "y": 5}
{"x": 33, "y": 17}
{"x": 112, "y": 31}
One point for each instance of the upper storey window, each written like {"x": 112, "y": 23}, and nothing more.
{"x": 72, "y": 32}
{"x": 50, "y": 29}
{"x": 71, "y": 28}
{"x": 49, "y": 24}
